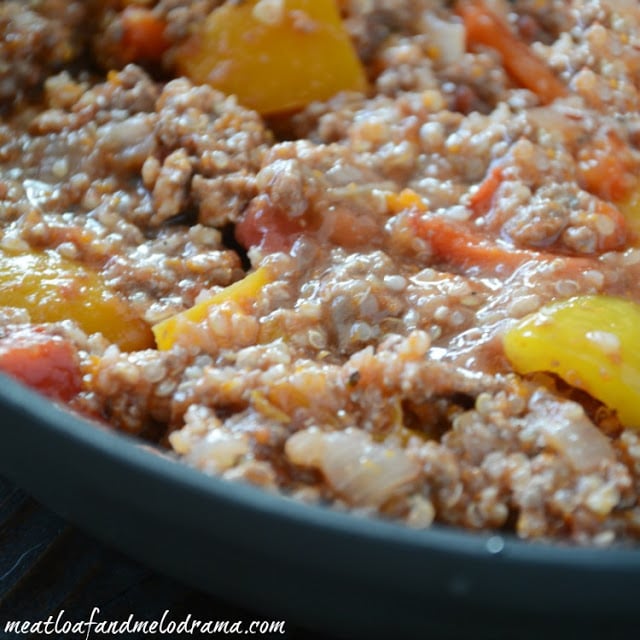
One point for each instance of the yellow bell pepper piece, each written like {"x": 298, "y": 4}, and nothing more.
{"x": 274, "y": 55}
{"x": 241, "y": 292}
{"x": 52, "y": 288}
{"x": 591, "y": 342}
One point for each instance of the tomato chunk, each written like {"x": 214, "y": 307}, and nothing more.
{"x": 47, "y": 363}
{"x": 266, "y": 226}
{"x": 142, "y": 35}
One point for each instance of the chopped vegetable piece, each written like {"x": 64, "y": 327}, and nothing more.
{"x": 607, "y": 168}
{"x": 458, "y": 244}
{"x": 591, "y": 342}
{"x": 241, "y": 292}
{"x": 51, "y": 289}
{"x": 358, "y": 468}
{"x": 486, "y": 28}
{"x": 274, "y": 56}
{"x": 49, "y": 364}
{"x": 268, "y": 227}
{"x": 481, "y": 200}
{"x": 630, "y": 209}
{"x": 268, "y": 409}
{"x": 566, "y": 428}
{"x": 407, "y": 199}
{"x": 143, "y": 36}
{"x": 613, "y": 226}
{"x": 466, "y": 246}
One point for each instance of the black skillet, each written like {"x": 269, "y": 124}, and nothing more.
{"x": 327, "y": 571}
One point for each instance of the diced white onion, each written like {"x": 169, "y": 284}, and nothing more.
{"x": 361, "y": 471}
{"x": 567, "y": 430}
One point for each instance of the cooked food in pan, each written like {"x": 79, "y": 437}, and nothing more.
{"x": 382, "y": 255}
